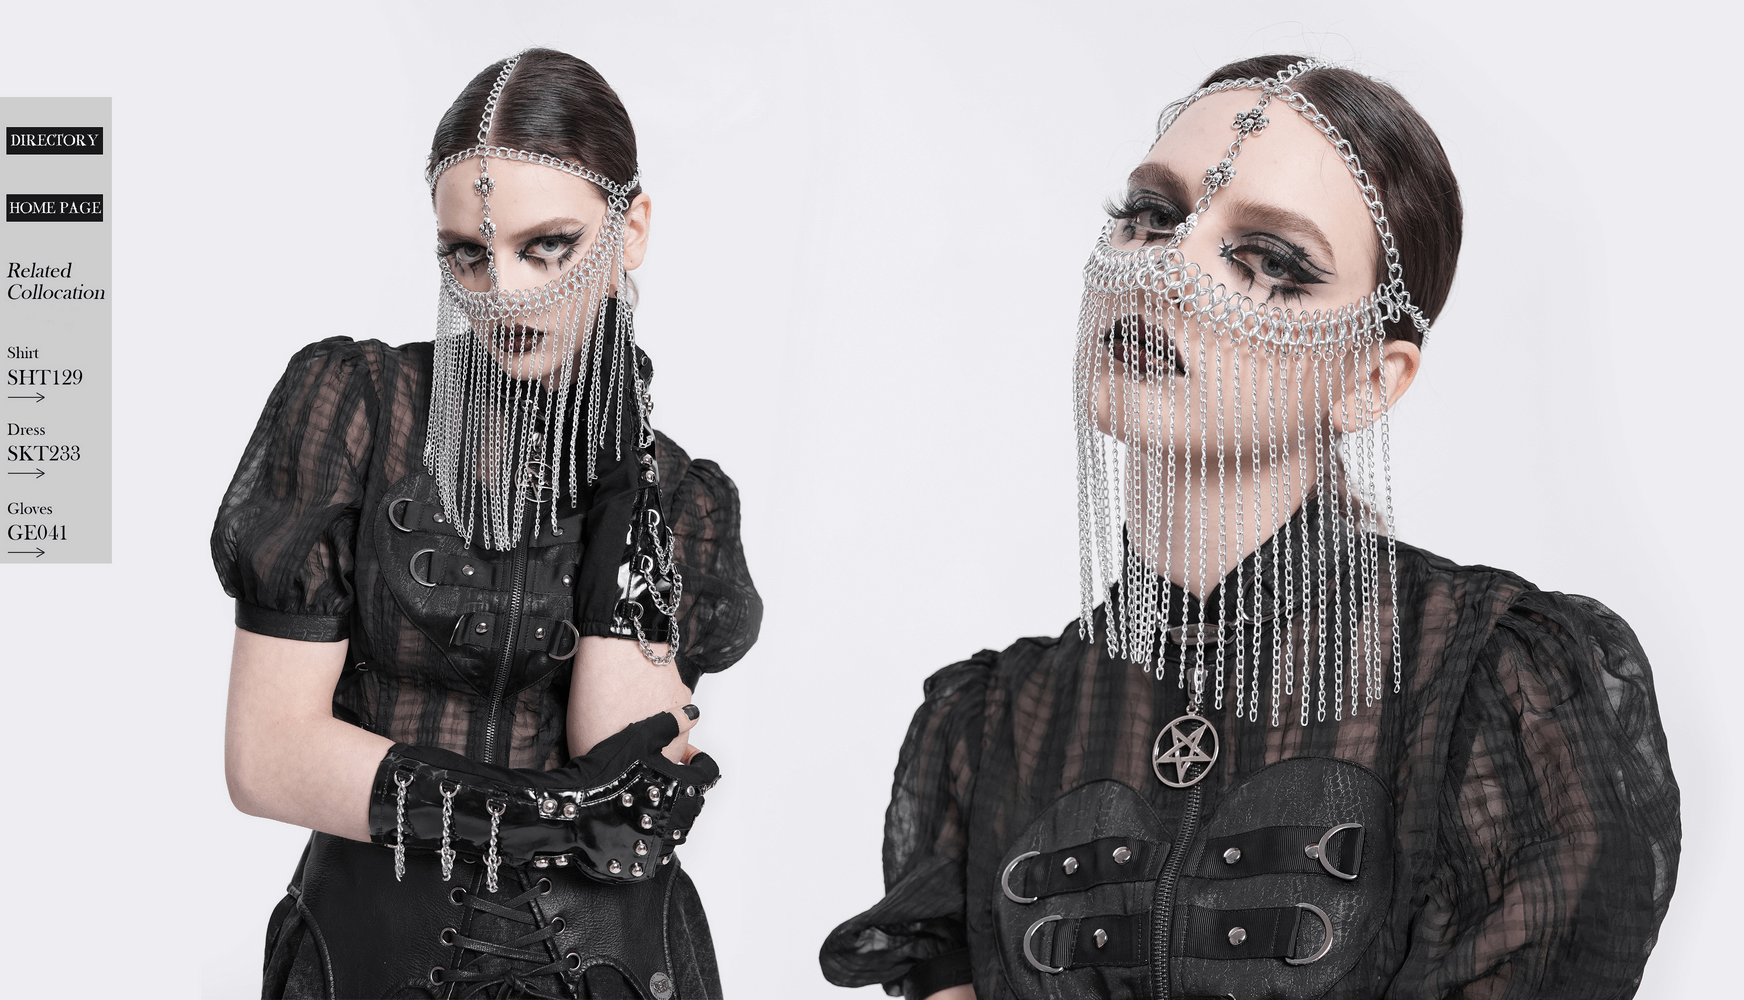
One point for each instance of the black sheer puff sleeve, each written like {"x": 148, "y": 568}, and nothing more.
{"x": 720, "y": 612}
{"x": 1559, "y": 828}
{"x": 285, "y": 537}
{"x": 914, "y": 940}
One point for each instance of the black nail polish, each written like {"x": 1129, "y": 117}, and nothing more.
{"x": 691, "y": 712}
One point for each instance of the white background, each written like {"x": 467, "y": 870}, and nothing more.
{"x": 861, "y": 292}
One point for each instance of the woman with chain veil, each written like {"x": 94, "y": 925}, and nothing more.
{"x": 1282, "y": 753}
{"x": 475, "y": 591}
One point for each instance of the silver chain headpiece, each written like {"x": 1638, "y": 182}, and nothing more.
{"x": 1218, "y": 440}
{"x": 514, "y": 424}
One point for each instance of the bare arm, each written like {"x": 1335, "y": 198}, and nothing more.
{"x": 285, "y": 756}
{"x": 963, "y": 992}
{"x": 615, "y": 685}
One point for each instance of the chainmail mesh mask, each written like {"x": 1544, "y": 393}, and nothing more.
{"x": 500, "y": 433}
{"x": 1217, "y": 432}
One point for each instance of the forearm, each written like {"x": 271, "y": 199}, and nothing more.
{"x": 285, "y": 756}
{"x": 615, "y": 685}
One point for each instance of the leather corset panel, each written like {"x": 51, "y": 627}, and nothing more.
{"x": 1300, "y": 848}
{"x": 1075, "y": 840}
{"x": 1252, "y": 867}
{"x": 464, "y": 600}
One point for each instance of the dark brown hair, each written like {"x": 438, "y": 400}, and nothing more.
{"x": 1405, "y": 162}
{"x": 553, "y": 104}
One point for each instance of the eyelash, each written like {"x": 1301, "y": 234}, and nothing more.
{"x": 1135, "y": 204}
{"x": 1293, "y": 259}
{"x": 446, "y": 251}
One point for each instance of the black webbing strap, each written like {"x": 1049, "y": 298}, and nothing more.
{"x": 549, "y": 636}
{"x": 1118, "y": 939}
{"x": 1274, "y": 850}
{"x": 1267, "y": 932}
{"x": 407, "y": 514}
{"x": 1100, "y": 862}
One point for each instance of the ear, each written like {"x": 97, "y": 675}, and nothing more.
{"x": 1393, "y": 369}
{"x": 637, "y": 222}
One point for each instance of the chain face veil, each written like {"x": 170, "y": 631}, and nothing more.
{"x": 521, "y": 399}
{"x": 1204, "y": 418}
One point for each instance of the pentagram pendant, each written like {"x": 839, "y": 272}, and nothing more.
{"x": 1187, "y": 753}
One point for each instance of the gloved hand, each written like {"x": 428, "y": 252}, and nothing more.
{"x": 616, "y": 811}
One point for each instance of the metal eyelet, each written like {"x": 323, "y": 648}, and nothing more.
{"x": 413, "y": 565}
{"x": 1030, "y": 934}
{"x": 559, "y": 923}
{"x": 436, "y": 975}
{"x": 544, "y": 887}
{"x": 1325, "y": 946}
{"x": 448, "y": 935}
{"x": 1005, "y": 879}
{"x": 574, "y": 961}
{"x": 457, "y": 896}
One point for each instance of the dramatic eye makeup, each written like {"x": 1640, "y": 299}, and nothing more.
{"x": 1285, "y": 268}
{"x": 550, "y": 247}
{"x": 1152, "y": 206}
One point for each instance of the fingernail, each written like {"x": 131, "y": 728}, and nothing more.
{"x": 691, "y": 712}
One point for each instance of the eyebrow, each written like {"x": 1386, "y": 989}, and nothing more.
{"x": 1256, "y": 213}
{"x": 1159, "y": 178}
{"x": 1163, "y": 179}
{"x": 545, "y": 228}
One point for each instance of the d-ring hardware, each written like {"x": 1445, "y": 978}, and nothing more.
{"x": 1318, "y": 851}
{"x": 393, "y": 516}
{"x": 1325, "y": 946}
{"x": 413, "y": 565}
{"x": 1027, "y": 935}
{"x": 1005, "y": 879}
{"x": 574, "y": 643}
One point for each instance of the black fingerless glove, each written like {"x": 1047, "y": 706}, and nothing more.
{"x": 615, "y": 812}
{"x": 628, "y": 586}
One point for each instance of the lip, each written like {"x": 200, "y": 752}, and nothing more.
{"x": 1127, "y": 340}
{"x": 518, "y": 340}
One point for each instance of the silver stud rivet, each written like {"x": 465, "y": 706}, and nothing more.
{"x": 647, "y": 822}
{"x": 1101, "y": 937}
{"x": 438, "y": 519}
{"x": 1232, "y": 855}
{"x": 570, "y": 810}
{"x": 628, "y": 798}
{"x": 642, "y": 848}
{"x": 1122, "y": 855}
{"x": 1313, "y": 851}
{"x": 1070, "y": 865}
{"x": 540, "y": 862}
{"x": 1237, "y": 935}
{"x": 654, "y": 794}
{"x": 539, "y": 633}
{"x": 547, "y": 805}
{"x": 665, "y": 858}
{"x": 677, "y": 835}
{"x": 613, "y": 867}
{"x": 467, "y": 570}
{"x": 557, "y": 529}
{"x": 561, "y": 860}
{"x": 690, "y": 789}
{"x": 567, "y": 580}
{"x": 636, "y": 869}
{"x": 481, "y": 628}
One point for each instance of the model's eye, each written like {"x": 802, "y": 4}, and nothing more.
{"x": 1285, "y": 267}
{"x": 1147, "y": 216}
{"x": 467, "y": 253}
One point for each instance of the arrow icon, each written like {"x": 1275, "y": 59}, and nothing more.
{"x": 26, "y": 552}
{"x": 39, "y": 397}
{"x": 38, "y": 473}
